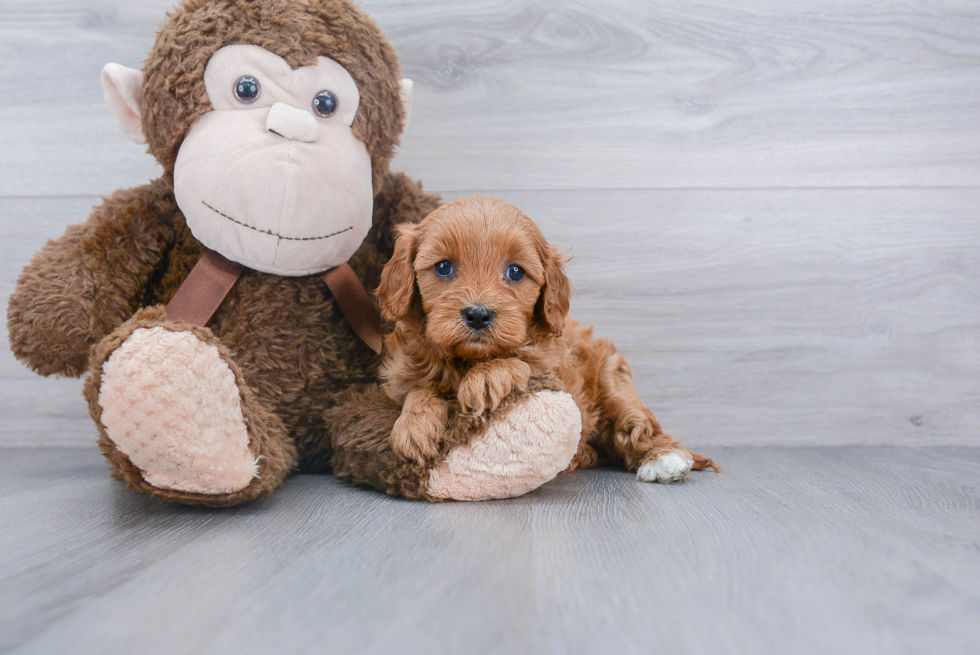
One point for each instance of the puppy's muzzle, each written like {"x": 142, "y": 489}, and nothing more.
{"x": 478, "y": 316}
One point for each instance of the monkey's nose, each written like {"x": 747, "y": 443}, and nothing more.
{"x": 292, "y": 123}
{"x": 478, "y": 316}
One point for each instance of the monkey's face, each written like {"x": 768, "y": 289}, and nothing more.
{"x": 274, "y": 177}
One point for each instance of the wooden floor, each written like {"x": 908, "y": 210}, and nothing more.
{"x": 836, "y": 550}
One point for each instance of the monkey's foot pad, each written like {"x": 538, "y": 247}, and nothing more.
{"x": 529, "y": 446}
{"x": 171, "y": 404}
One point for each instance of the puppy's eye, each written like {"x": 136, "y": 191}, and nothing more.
{"x": 444, "y": 268}
{"x": 515, "y": 273}
{"x": 247, "y": 89}
{"x": 325, "y": 104}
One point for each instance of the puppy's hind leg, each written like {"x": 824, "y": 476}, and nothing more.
{"x": 631, "y": 433}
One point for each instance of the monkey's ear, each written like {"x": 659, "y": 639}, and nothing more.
{"x": 123, "y": 90}
{"x": 397, "y": 288}
{"x": 407, "y": 87}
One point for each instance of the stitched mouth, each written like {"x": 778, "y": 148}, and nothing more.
{"x": 273, "y": 234}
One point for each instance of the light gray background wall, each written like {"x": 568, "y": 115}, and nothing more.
{"x": 774, "y": 207}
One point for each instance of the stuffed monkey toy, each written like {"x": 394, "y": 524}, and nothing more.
{"x": 220, "y": 312}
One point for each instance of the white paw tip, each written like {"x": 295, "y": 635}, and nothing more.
{"x": 669, "y": 467}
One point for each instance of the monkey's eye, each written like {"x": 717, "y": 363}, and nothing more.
{"x": 247, "y": 89}
{"x": 515, "y": 273}
{"x": 325, "y": 104}
{"x": 444, "y": 268}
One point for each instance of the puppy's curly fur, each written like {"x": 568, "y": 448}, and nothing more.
{"x": 481, "y": 300}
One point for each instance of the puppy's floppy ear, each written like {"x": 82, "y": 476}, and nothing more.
{"x": 398, "y": 277}
{"x": 552, "y": 306}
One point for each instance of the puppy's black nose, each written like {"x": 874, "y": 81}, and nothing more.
{"x": 478, "y": 316}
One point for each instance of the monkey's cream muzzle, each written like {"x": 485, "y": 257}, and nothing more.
{"x": 270, "y": 183}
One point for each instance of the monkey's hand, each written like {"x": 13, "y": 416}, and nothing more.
{"x": 421, "y": 428}
{"x": 81, "y": 287}
{"x": 485, "y": 385}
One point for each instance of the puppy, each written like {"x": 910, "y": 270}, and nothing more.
{"x": 481, "y": 300}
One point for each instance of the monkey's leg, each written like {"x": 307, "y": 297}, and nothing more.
{"x": 177, "y": 420}
{"x": 518, "y": 447}
{"x": 632, "y": 435}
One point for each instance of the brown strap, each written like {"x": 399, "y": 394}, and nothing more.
{"x": 200, "y": 295}
{"x": 356, "y": 304}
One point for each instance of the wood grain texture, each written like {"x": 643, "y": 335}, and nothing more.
{"x": 769, "y": 312}
{"x": 534, "y": 94}
{"x": 784, "y": 316}
{"x": 751, "y": 317}
{"x": 842, "y": 550}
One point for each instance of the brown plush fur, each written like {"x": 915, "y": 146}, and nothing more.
{"x": 291, "y": 349}
{"x": 434, "y": 355}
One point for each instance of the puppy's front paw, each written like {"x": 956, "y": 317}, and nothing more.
{"x": 420, "y": 430}
{"x": 670, "y": 466}
{"x": 488, "y": 383}
{"x": 472, "y": 393}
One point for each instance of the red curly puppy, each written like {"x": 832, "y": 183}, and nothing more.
{"x": 481, "y": 301}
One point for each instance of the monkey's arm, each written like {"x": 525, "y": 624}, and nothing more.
{"x": 80, "y": 287}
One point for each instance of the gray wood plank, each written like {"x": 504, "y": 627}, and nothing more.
{"x": 533, "y": 94}
{"x": 844, "y": 550}
{"x": 784, "y": 316}
{"x": 773, "y": 317}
